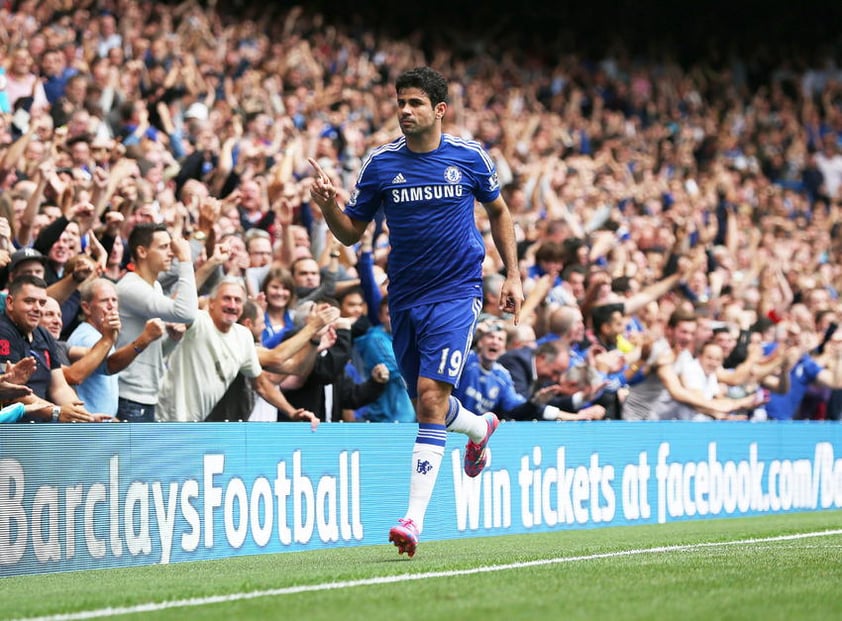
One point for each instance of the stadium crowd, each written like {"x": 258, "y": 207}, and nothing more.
{"x": 678, "y": 227}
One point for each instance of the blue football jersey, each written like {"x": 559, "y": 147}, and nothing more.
{"x": 785, "y": 406}
{"x": 480, "y": 390}
{"x": 428, "y": 198}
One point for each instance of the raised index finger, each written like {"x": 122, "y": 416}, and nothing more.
{"x": 318, "y": 169}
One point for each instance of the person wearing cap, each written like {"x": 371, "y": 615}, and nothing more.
{"x": 196, "y": 110}
{"x": 31, "y": 261}
{"x": 27, "y": 261}
{"x": 24, "y": 261}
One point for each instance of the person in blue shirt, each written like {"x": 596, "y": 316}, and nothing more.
{"x": 427, "y": 183}
{"x": 798, "y": 370}
{"x": 548, "y": 260}
{"x": 375, "y": 345}
{"x": 487, "y": 385}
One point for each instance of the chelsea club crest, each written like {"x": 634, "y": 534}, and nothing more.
{"x": 452, "y": 174}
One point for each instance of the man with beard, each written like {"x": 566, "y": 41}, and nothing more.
{"x": 427, "y": 183}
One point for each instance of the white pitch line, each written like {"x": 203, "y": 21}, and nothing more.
{"x": 348, "y": 584}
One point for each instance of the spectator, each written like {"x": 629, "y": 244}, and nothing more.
{"x": 99, "y": 387}
{"x": 538, "y": 375}
{"x": 253, "y": 207}
{"x": 582, "y": 169}
{"x": 486, "y": 385}
{"x": 313, "y": 387}
{"x": 77, "y": 363}
{"x": 521, "y": 335}
{"x": 78, "y": 269}
{"x": 55, "y": 74}
{"x": 140, "y": 299}
{"x": 549, "y": 258}
{"x": 231, "y": 261}
{"x": 21, "y": 336}
{"x": 71, "y": 101}
{"x": 829, "y": 162}
{"x": 109, "y": 38}
{"x": 278, "y": 291}
{"x": 798, "y": 371}
{"x": 23, "y": 87}
{"x": 702, "y": 379}
{"x": 491, "y": 284}
{"x": 375, "y": 346}
{"x": 26, "y": 261}
{"x": 259, "y": 250}
{"x": 600, "y": 376}
{"x": 240, "y": 401}
{"x": 310, "y": 282}
{"x": 13, "y": 386}
{"x": 215, "y": 348}
{"x": 661, "y": 395}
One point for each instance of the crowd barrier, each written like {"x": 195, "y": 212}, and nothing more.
{"x": 78, "y": 497}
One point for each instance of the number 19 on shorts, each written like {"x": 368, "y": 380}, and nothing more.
{"x": 450, "y": 362}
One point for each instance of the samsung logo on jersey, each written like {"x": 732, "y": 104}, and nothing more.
{"x": 426, "y": 193}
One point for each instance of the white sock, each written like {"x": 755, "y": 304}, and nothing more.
{"x": 426, "y": 460}
{"x": 460, "y": 420}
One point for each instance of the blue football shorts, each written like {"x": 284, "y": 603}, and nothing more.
{"x": 432, "y": 340}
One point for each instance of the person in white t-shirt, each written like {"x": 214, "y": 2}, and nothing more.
{"x": 213, "y": 350}
{"x": 829, "y": 162}
{"x": 699, "y": 376}
{"x": 662, "y": 395}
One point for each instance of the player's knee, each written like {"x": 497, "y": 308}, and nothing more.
{"x": 433, "y": 401}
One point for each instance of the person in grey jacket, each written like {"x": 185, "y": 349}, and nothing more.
{"x": 141, "y": 298}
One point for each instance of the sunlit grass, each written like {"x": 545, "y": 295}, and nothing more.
{"x": 790, "y": 579}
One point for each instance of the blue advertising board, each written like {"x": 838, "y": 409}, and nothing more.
{"x": 78, "y": 497}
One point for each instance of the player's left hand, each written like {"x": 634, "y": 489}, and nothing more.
{"x": 511, "y": 297}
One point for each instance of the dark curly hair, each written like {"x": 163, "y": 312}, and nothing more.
{"x": 425, "y": 79}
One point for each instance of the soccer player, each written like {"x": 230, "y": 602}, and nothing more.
{"x": 427, "y": 182}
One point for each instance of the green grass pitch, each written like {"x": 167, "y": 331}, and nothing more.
{"x": 776, "y": 567}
